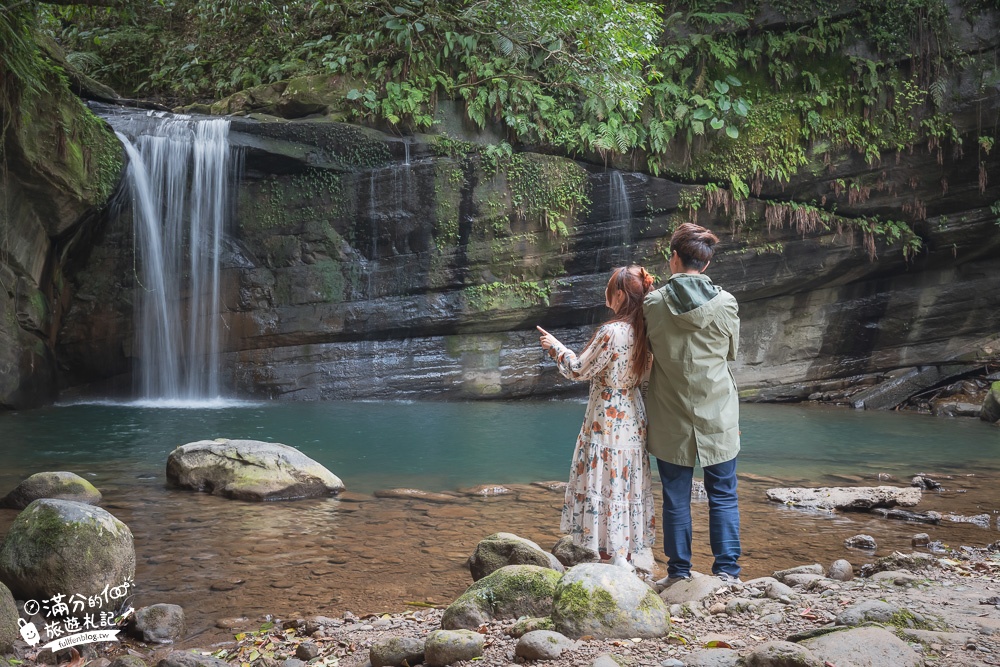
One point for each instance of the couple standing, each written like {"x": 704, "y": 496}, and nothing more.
{"x": 679, "y": 338}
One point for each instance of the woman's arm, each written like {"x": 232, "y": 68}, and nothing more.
{"x": 594, "y": 358}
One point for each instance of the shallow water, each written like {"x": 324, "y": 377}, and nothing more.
{"x": 219, "y": 558}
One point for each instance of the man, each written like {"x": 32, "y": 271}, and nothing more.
{"x": 692, "y": 402}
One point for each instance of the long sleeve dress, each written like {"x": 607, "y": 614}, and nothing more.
{"x": 609, "y": 502}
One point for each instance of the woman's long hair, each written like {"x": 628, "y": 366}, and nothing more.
{"x": 634, "y": 283}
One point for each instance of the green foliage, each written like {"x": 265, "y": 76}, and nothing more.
{"x": 696, "y": 89}
{"x": 495, "y": 295}
{"x": 22, "y": 69}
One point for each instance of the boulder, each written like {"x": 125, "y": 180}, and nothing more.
{"x": 991, "y": 404}
{"x": 444, "y": 647}
{"x": 510, "y": 592}
{"x": 62, "y": 546}
{"x": 846, "y": 497}
{"x": 9, "y": 629}
{"x": 125, "y": 661}
{"x": 606, "y": 601}
{"x": 863, "y": 646}
{"x": 695, "y": 589}
{"x": 908, "y": 515}
{"x": 249, "y": 470}
{"x": 815, "y": 568}
{"x": 59, "y": 485}
{"x": 543, "y": 645}
{"x": 526, "y": 625}
{"x": 394, "y": 651}
{"x": 502, "y": 549}
{"x": 569, "y": 553}
{"x": 782, "y": 654}
{"x": 713, "y": 657}
{"x": 868, "y": 610}
{"x": 159, "y": 623}
{"x": 841, "y": 570}
{"x": 861, "y": 542}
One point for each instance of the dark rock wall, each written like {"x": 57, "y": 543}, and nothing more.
{"x": 351, "y": 274}
{"x": 60, "y": 165}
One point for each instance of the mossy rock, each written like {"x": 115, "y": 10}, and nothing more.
{"x": 59, "y": 485}
{"x": 159, "y": 623}
{"x": 249, "y": 470}
{"x": 446, "y": 647}
{"x": 394, "y": 651}
{"x": 501, "y": 549}
{"x": 320, "y": 93}
{"x": 510, "y": 592}
{"x": 991, "y": 404}
{"x": 606, "y": 601}
{"x": 9, "y": 630}
{"x": 62, "y": 546}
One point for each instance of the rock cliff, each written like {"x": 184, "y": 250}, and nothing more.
{"x": 367, "y": 266}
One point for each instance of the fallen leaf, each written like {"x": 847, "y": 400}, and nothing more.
{"x": 76, "y": 660}
{"x": 716, "y": 643}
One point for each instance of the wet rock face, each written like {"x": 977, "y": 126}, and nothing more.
{"x": 364, "y": 266}
{"x": 51, "y": 189}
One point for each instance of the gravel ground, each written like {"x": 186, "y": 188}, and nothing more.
{"x": 958, "y": 595}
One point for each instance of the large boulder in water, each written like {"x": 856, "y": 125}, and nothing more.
{"x": 59, "y": 485}
{"x": 606, "y": 601}
{"x": 62, "y": 546}
{"x": 501, "y": 549}
{"x": 510, "y": 592}
{"x": 249, "y": 470}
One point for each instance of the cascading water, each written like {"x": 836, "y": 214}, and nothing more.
{"x": 179, "y": 176}
{"x": 619, "y": 235}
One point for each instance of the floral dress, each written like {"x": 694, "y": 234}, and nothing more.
{"x": 609, "y": 503}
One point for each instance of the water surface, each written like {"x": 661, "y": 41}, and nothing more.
{"x": 219, "y": 558}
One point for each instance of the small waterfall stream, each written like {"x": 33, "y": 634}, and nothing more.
{"x": 615, "y": 248}
{"x": 179, "y": 177}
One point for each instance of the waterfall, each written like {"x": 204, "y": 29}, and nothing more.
{"x": 615, "y": 247}
{"x": 179, "y": 176}
{"x": 390, "y": 195}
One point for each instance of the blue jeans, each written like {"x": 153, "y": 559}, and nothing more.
{"x": 723, "y": 517}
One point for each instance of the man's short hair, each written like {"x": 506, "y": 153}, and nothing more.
{"x": 694, "y": 245}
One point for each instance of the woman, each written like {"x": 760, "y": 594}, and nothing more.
{"x": 609, "y": 504}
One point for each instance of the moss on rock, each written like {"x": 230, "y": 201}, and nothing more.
{"x": 510, "y": 592}
{"x": 61, "y": 546}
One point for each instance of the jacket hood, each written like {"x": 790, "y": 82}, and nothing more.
{"x": 692, "y": 299}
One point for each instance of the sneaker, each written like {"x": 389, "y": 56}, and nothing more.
{"x": 665, "y": 583}
{"x": 729, "y": 579}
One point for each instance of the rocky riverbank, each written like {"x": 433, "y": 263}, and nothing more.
{"x": 904, "y": 609}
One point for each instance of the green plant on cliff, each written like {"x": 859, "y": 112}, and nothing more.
{"x": 692, "y": 89}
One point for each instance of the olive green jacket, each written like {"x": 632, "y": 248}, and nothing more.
{"x": 692, "y": 402}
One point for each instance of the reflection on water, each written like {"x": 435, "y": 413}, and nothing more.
{"x": 219, "y": 558}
